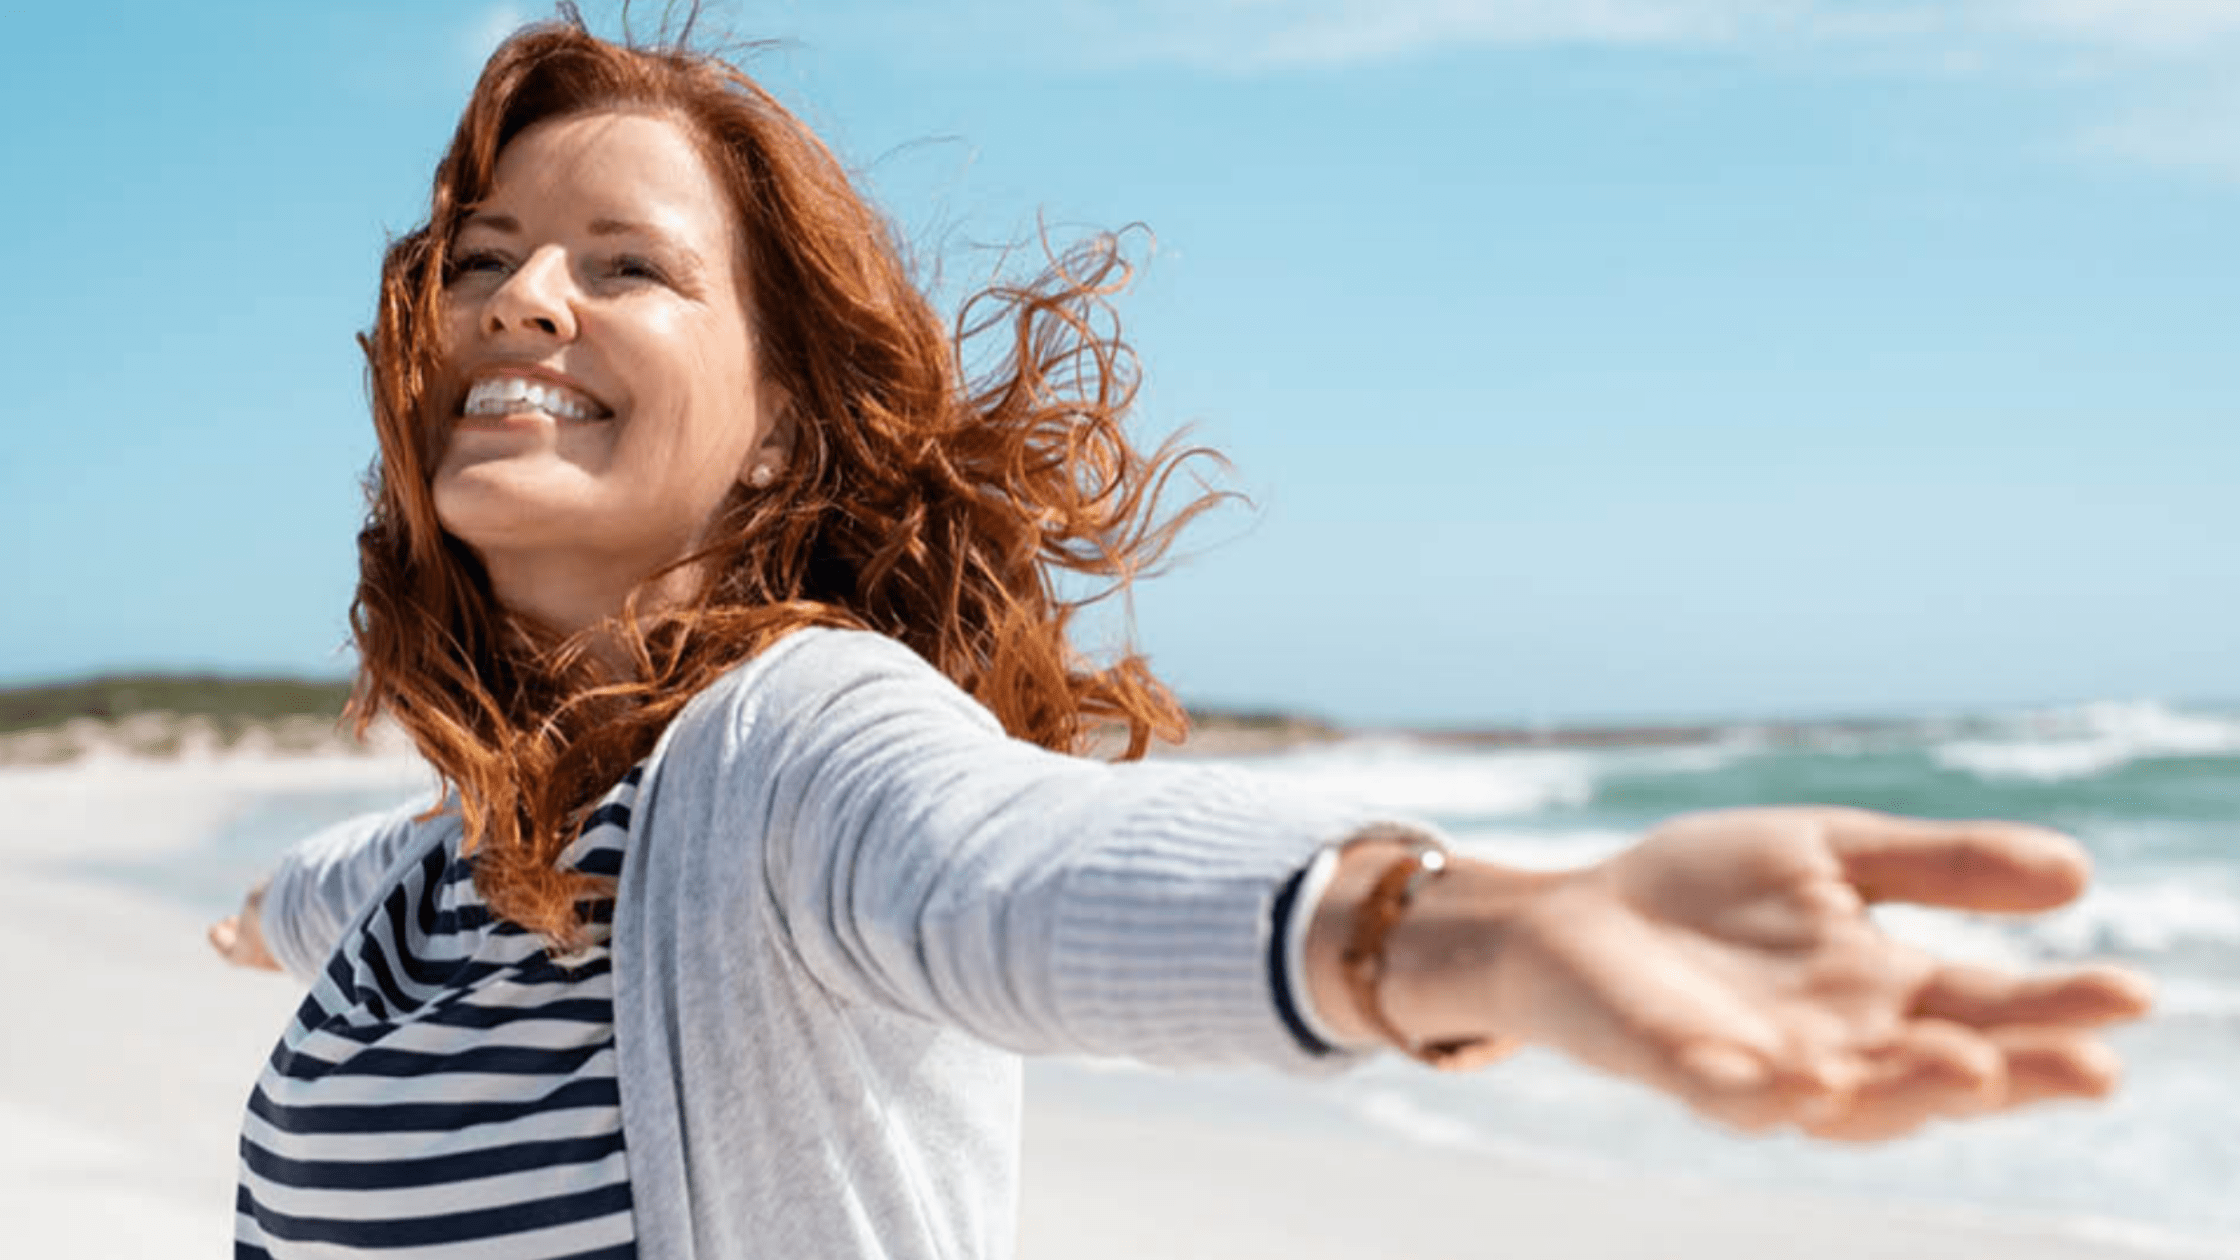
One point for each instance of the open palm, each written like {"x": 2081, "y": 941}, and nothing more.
{"x": 1728, "y": 959}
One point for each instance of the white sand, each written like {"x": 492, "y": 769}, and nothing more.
{"x": 1149, "y": 1165}
{"x": 129, "y": 1050}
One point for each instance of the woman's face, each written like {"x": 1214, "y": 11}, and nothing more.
{"x": 600, "y": 378}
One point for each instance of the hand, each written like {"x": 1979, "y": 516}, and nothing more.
{"x": 1727, "y": 959}
{"x": 239, "y": 938}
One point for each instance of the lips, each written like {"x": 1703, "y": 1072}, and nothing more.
{"x": 511, "y": 392}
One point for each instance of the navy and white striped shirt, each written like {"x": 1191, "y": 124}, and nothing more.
{"x": 448, "y": 1087}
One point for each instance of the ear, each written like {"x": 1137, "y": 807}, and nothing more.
{"x": 774, "y": 449}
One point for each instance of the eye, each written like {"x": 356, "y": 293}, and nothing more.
{"x": 636, "y": 267}
{"x": 476, "y": 262}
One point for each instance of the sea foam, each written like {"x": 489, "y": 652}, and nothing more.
{"x": 1409, "y": 778}
{"x": 2092, "y": 740}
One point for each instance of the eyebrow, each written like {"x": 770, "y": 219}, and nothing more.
{"x": 598, "y": 227}
{"x": 625, "y": 227}
{"x": 619, "y": 227}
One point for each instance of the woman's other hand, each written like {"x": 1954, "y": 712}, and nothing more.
{"x": 239, "y": 939}
{"x": 1728, "y": 959}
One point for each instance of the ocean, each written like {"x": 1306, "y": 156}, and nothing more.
{"x": 2152, "y": 790}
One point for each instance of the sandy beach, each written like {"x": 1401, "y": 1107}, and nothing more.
{"x": 129, "y": 1050}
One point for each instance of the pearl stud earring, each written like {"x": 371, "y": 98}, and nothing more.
{"x": 761, "y": 477}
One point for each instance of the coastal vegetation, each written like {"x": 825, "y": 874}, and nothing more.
{"x": 231, "y": 704}
{"x": 171, "y": 715}
{"x": 165, "y": 715}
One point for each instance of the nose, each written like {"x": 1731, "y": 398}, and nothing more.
{"x": 536, "y": 299}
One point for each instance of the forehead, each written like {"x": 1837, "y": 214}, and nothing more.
{"x": 636, "y": 168}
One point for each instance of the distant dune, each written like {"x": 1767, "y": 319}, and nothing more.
{"x": 167, "y": 716}
{"x": 189, "y": 716}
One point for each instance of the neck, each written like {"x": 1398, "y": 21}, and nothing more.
{"x": 571, "y": 595}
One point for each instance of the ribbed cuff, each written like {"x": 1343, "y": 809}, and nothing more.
{"x": 1293, "y": 912}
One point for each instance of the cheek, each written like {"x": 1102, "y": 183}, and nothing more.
{"x": 454, "y": 327}
{"x": 702, "y": 412}
{"x": 683, "y": 468}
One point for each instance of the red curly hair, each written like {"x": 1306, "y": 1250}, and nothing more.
{"x": 918, "y": 503}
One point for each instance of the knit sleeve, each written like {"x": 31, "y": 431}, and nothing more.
{"x": 323, "y": 882}
{"x": 923, "y": 860}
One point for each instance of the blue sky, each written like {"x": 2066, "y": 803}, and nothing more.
{"x": 1609, "y": 358}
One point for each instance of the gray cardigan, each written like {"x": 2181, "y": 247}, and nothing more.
{"x": 849, "y": 901}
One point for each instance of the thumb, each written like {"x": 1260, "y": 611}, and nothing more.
{"x": 1961, "y": 865}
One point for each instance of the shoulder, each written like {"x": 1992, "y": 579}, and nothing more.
{"x": 821, "y": 672}
{"x": 819, "y": 696}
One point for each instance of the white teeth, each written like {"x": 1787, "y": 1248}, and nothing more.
{"x": 505, "y": 395}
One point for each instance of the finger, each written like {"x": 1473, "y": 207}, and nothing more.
{"x": 1793, "y": 1089}
{"x": 2052, "y": 1065}
{"x": 1984, "y": 997}
{"x": 1934, "y": 1069}
{"x": 224, "y": 936}
{"x": 1723, "y": 1070}
{"x": 1963, "y": 865}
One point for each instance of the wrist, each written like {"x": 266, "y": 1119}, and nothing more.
{"x": 253, "y": 950}
{"x": 1449, "y": 971}
{"x": 1436, "y": 936}
{"x": 1336, "y": 919}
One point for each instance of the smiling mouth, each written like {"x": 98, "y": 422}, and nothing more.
{"x": 508, "y": 395}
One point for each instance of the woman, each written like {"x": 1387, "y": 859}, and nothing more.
{"x": 725, "y": 606}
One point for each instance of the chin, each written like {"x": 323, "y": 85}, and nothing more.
{"x": 486, "y": 505}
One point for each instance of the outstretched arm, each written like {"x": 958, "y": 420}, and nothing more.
{"x": 1728, "y": 960}
{"x": 239, "y": 937}
{"x": 292, "y": 919}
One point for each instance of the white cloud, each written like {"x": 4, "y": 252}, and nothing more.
{"x": 2148, "y": 72}
{"x": 1266, "y": 33}
{"x": 2199, "y": 133}
{"x": 2153, "y": 26}
{"x": 1259, "y": 34}
{"x": 490, "y": 28}
{"x": 2157, "y": 67}
{"x": 1360, "y": 31}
